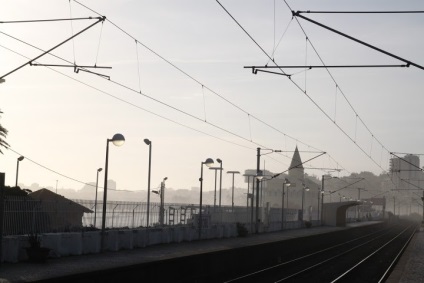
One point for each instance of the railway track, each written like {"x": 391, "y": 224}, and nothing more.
{"x": 368, "y": 258}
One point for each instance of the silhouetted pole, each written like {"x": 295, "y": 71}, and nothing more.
{"x": 162, "y": 201}
{"x": 117, "y": 140}
{"x": 286, "y": 182}
{"x": 20, "y": 158}
{"x": 214, "y": 193}
{"x": 149, "y": 143}
{"x": 258, "y": 160}
{"x": 232, "y": 191}
{"x": 322, "y": 200}
{"x": 209, "y": 162}
{"x": 95, "y": 199}
{"x": 220, "y": 180}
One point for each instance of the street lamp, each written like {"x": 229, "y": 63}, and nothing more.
{"x": 305, "y": 188}
{"x": 95, "y": 199}
{"x": 220, "y": 180}
{"x": 285, "y": 183}
{"x": 259, "y": 177}
{"x": 232, "y": 191}
{"x": 251, "y": 196}
{"x": 214, "y": 195}
{"x": 209, "y": 162}
{"x": 149, "y": 143}
{"x": 161, "y": 194}
{"x": 117, "y": 140}
{"x": 20, "y": 158}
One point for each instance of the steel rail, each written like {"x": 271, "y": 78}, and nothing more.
{"x": 257, "y": 272}
{"x": 348, "y": 272}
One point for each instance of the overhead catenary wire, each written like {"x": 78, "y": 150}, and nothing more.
{"x": 200, "y": 83}
{"x": 227, "y": 101}
{"x": 304, "y": 91}
{"x": 313, "y": 101}
{"x": 61, "y": 174}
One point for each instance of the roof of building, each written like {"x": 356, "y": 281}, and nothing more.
{"x": 47, "y": 195}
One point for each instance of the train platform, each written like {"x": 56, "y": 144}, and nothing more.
{"x": 73, "y": 265}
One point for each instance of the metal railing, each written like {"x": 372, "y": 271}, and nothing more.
{"x": 23, "y": 215}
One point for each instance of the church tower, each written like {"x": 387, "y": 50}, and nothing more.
{"x": 296, "y": 170}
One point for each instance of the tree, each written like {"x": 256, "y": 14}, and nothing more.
{"x": 3, "y": 134}
{"x": 16, "y": 191}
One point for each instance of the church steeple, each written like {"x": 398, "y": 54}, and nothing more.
{"x": 296, "y": 170}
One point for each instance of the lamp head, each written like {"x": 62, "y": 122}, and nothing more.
{"x": 99, "y": 170}
{"x": 147, "y": 141}
{"x": 118, "y": 140}
{"x": 20, "y": 158}
{"x": 209, "y": 162}
{"x": 287, "y": 182}
{"x": 259, "y": 175}
{"x": 166, "y": 178}
{"x": 219, "y": 160}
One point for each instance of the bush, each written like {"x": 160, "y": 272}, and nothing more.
{"x": 241, "y": 230}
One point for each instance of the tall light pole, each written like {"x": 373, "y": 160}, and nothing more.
{"x": 305, "y": 188}
{"x": 285, "y": 183}
{"x": 214, "y": 195}
{"x": 149, "y": 143}
{"x": 117, "y": 140}
{"x": 161, "y": 194}
{"x": 20, "y": 158}
{"x": 232, "y": 190}
{"x": 209, "y": 162}
{"x": 258, "y": 180}
{"x": 95, "y": 198}
{"x": 252, "y": 196}
{"x": 220, "y": 179}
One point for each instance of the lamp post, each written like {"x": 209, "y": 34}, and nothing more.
{"x": 285, "y": 183}
{"x": 232, "y": 190}
{"x": 252, "y": 196}
{"x": 220, "y": 180}
{"x": 161, "y": 194}
{"x": 149, "y": 143}
{"x": 117, "y": 140}
{"x": 305, "y": 188}
{"x": 95, "y": 198}
{"x": 259, "y": 178}
{"x": 20, "y": 158}
{"x": 214, "y": 195}
{"x": 209, "y": 162}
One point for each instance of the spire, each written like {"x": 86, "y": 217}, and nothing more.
{"x": 296, "y": 161}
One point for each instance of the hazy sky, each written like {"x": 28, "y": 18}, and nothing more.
{"x": 61, "y": 119}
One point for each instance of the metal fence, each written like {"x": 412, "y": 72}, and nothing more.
{"x": 23, "y": 215}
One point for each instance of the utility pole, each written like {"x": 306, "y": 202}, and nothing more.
{"x": 258, "y": 160}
